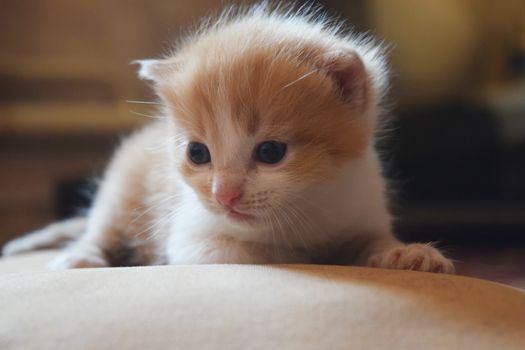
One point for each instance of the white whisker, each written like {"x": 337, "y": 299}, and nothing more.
{"x": 146, "y": 102}
{"x": 147, "y": 115}
{"x": 298, "y": 79}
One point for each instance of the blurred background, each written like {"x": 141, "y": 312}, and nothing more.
{"x": 455, "y": 152}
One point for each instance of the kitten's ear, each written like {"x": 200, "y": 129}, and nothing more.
{"x": 350, "y": 75}
{"x": 155, "y": 70}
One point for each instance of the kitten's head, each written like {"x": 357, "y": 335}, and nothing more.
{"x": 264, "y": 112}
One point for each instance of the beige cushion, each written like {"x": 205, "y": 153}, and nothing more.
{"x": 252, "y": 307}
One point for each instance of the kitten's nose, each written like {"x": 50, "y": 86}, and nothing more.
{"x": 228, "y": 198}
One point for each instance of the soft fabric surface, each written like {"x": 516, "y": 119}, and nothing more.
{"x": 252, "y": 307}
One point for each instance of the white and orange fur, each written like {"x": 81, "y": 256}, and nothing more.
{"x": 250, "y": 76}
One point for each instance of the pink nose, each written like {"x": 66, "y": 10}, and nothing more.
{"x": 228, "y": 199}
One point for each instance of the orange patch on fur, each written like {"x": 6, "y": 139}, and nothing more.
{"x": 272, "y": 89}
{"x": 284, "y": 97}
{"x": 200, "y": 179}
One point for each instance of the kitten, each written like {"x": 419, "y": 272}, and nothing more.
{"x": 264, "y": 154}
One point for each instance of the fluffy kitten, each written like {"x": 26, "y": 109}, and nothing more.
{"x": 264, "y": 154}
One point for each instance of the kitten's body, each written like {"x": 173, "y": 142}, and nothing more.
{"x": 237, "y": 84}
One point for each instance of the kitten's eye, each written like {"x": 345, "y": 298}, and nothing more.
{"x": 270, "y": 152}
{"x": 198, "y": 153}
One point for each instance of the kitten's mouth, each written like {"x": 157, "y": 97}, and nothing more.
{"x": 234, "y": 214}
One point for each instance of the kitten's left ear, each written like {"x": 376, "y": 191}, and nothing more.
{"x": 155, "y": 70}
{"x": 350, "y": 75}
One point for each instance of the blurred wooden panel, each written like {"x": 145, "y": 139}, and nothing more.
{"x": 64, "y": 65}
{"x": 31, "y": 170}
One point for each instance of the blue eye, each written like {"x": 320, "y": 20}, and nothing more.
{"x": 198, "y": 153}
{"x": 270, "y": 152}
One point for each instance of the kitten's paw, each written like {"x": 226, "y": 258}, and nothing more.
{"x": 17, "y": 246}
{"x": 417, "y": 257}
{"x": 76, "y": 260}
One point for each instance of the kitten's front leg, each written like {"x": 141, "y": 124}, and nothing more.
{"x": 79, "y": 255}
{"x": 418, "y": 257}
{"x": 390, "y": 254}
{"x": 387, "y": 252}
{"x": 94, "y": 247}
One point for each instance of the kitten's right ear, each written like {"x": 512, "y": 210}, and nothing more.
{"x": 155, "y": 70}
{"x": 350, "y": 75}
